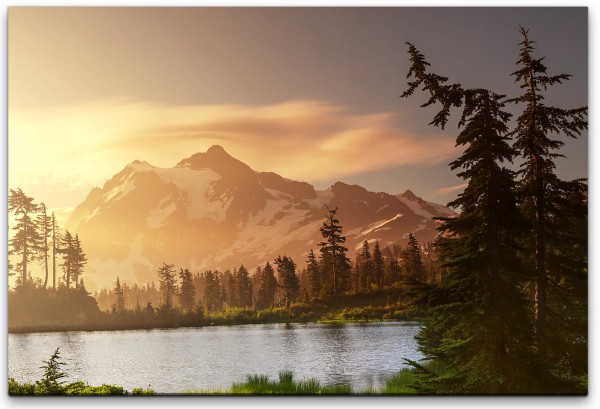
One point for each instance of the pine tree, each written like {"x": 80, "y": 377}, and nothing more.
{"x": 314, "y": 276}
{"x": 26, "y": 239}
{"x": 413, "y": 264}
{"x": 243, "y": 287}
{"x": 334, "y": 262}
{"x": 119, "y": 306}
{"x": 286, "y": 269}
{"x": 267, "y": 289}
{"x": 68, "y": 257}
{"x": 56, "y": 240}
{"x": 478, "y": 329}
{"x": 232, "y": 290}
{"x": 168, "y": 283}
{"x": 213, "y": 300}
{"x": 51, "y": 382}
{"x": 540, "y": 189}
{"x": 79, "y": 259}
{"x": 393, "y": 272}
{"x": 365, "y": 268}
{"x": 187, "y": 292}
{"x": 378, "y": 266}
{"x": 44, "y": 226}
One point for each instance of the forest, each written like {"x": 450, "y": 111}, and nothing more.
{"x": 376, "y": 285}
{"x": 502, "y": 294}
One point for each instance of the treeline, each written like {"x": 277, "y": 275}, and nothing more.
{"x": 37, "y": 238}
{"x": 279, "y": 283}
{"x": 510, "y": 313}
{"x": 330, "y": 287}
{"x": 38, "y": 241}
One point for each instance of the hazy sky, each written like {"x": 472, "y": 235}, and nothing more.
{"x": 312, "y": 94}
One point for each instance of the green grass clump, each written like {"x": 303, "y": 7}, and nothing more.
{"x": 401, "y": 383}
{"x": 257, "y": 384}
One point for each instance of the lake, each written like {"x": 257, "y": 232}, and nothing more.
{"x": 176, "y": 360}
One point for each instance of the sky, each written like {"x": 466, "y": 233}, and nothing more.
{"x": 312, "y": 94}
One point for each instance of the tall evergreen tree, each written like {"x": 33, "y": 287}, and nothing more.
{"x": 44, "y": 225}
{"x": 333, "y": 254}
{"x": 168, "y": 283}
{"x": 364, "y": 268}
{"x": 68, "y": 257}
{"x": 393, "y": 272}
{"x": 187, "y": 293}
{"x": 79, "y": 259}
{"x": 413, "y": 264}
{"x": 478, "y": 329}
{"x": 26, "y": 238}
{"x": 288, "y": 280}
{"x": 540, "y": 189}
{"x": 267, "y": 289}
{"x": 56, "y": 240}
{"x": 213, "y": 299}
{"x": 313, "y": 272}
{"x": 119, "y": 306}
{"x": 378, "y": 266}
{"x": 243, "y": 287}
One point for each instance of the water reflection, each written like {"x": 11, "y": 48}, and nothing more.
{"x": 172, "y": 361}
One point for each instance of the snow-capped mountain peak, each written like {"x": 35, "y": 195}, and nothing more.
{"x": 212, "y": 211}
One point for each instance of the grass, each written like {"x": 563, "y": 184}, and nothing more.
{"x": 286, "y": 385}
{"x": 256, "y": 384}
{"x": 401, "y": 383}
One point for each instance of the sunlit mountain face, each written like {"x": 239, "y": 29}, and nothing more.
{"x": 212, "y": 211}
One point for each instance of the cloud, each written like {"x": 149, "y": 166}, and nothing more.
{"x": 450, "y": 189}
{"x": 78, "y": 147}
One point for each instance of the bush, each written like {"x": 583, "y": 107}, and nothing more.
{"x": 142, "y": 391}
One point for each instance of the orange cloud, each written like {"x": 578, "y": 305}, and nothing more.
{"x": 450, "y": 189}
{"x": 82, "y": 146}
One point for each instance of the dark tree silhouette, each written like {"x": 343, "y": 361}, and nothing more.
{"x": 119, "y": 306}
{"x": 540, "y": 189}
{"x": 168, "y": 283}
{"x": 333, "y": 253}
{"x": 314, "y": 274}
{"x": 44, "y": 225}
{"x": 267, "y": 289}
{"x": 187, "y": 291}
{"x": 26, "y": 238}
{"x": 288, "y": 280}
{"x": 478, "y": 328}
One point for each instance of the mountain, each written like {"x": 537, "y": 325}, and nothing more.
{"x": 212, "y": 211}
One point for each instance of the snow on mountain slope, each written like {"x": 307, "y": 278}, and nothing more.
{"x": 212, "y": 211}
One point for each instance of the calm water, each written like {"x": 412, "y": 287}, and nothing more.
{"x": 172, "y": 361}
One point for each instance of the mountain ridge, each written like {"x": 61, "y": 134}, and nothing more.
{"x": 212, "y": 211}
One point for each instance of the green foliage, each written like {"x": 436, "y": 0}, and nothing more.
{"x": 479, "y": 331}
{"x": 285, "y": 385}
{"x": 401, "y": 383}
{"x": 286, "y": 269}
{"x": 16, "y": 388}
{"x": 142, "y": 391}
{"x": 51, "y": 383}
{"x": 80, "y": 388}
